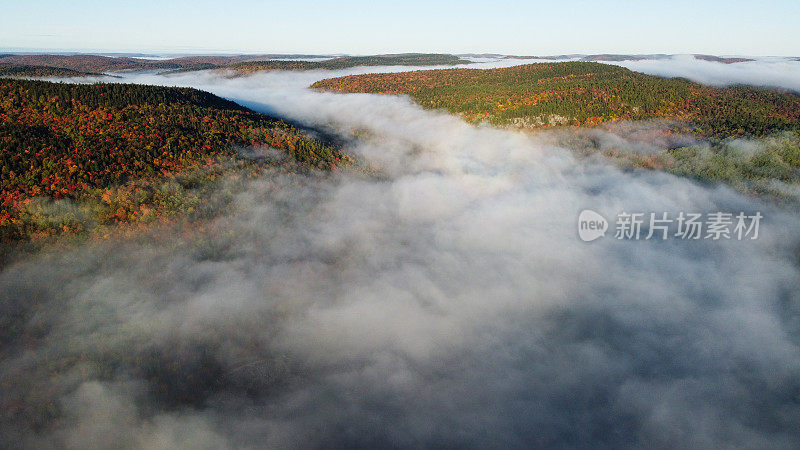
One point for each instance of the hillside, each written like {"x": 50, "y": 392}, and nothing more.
{"x": 101, "y": 63}
{"x": 405, "y": 59}
{"x": 86, "y": 142}
{"x": 88, "y": 63}
{"x": 584, "y": 93}
{"x": 723, "y": 60}
{"x": 24, "y": 71}
{"x": 243, "y": 63}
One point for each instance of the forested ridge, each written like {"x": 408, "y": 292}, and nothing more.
{"x": 406, "y": 59}
{"x": 584, "y": 93}
{"x": 41, "y": 71}
{"x": 88, "y": 63}
{"x": 76, "y": 65}
{"x": 74, "y": 141}
{"x": 720, "y": 121}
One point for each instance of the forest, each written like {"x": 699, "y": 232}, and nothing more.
{"x": 405, "y": 59}
{"x": 25, "y": 71}
{"x": 88, "y": 63}
{"x": 111, "y": 144}
{"x": 588, "y": 95}
{"x": 584, "y": 94}
{"x": 78, "y": 65}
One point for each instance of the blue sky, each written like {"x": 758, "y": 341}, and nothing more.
{"x": 364, "y": 27}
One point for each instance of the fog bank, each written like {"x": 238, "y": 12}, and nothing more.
{"x": 445, "y": 301}
{"x": 773, "y": 72}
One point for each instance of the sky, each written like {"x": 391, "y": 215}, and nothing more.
{"x": 765, "y": 28}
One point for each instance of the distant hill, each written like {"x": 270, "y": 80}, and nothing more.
{"x": 584, "y": 93}
{"x": 243, "y": 63}
{"x": 589, "y": 94}
{"x": 94, "y": 64}
{"x": 722, "y": 60}
{"x": 88, "y": 63}
{"x": 24, "y": 71}
{"x": 405, "y": 59}
{"x": 100, "y": 63}
{"x": 89, "y": 142}
{"x": 83, "y": 65}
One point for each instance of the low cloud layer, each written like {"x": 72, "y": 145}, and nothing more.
{"x": 768, "y": 72}
{"x": 444, "y": 301}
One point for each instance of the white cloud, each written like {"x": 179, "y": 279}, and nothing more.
{"x": 448, "y": 302}
{"x": 771, "y": 72}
